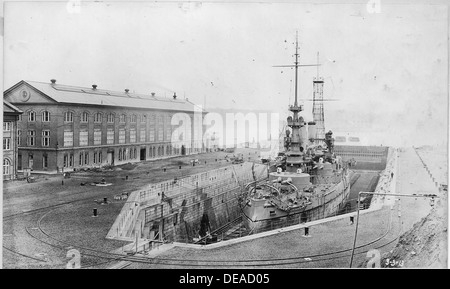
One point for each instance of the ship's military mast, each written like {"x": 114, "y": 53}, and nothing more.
{"x": 295, "y": 123}
{"x": 295, "y": 144}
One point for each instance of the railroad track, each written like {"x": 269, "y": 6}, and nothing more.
{"x": 97, "y": 258}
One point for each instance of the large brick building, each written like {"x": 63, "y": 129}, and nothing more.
{"x": 65, "y": 127}
{"x": 10, "y": 116}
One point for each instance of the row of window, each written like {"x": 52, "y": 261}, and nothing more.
{"x": 84, "y": 137}
{"x": 31, "y": 138}
{"x": 98, "y": 117}
{"x": 83, "y": 159}
{"x": 69, "y": 159}
{"x": 125, "y": 154}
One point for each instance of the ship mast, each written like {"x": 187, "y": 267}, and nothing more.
{"x": 296, "y": 67}
{"x": 295, "y": 122}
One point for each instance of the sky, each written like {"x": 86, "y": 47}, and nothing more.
{"x": 386, "y": 71}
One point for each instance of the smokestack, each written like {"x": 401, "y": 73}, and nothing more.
{"x": 126, "y": 90}
{"x": 153, "y": 94}
{"x": 311, "y": 130}
{"x": 174, "y": 95}
{"x": 53, "y": 81}
{"x": 94, "y": 86}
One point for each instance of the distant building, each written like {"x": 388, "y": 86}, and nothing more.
{"x": 10, "y": 117}
{"x": 65, "y": 127}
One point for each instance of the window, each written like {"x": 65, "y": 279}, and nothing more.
{"x": 133, "y": 118}
{"x": 152, "y": 134}
{"x": 6, "y": 167}
{"x": 142, "y": 135}
{"x": 98, "y": 117}
{"x": 97, "y": 137}
{"x": 143, "y": 118}
{"x": 168, "y": 129}
{"x": 135, "y": 153}
{"x": 31, "y": 138}
{"x": 45, "y": 138}
{"x": 110, "y": 136}
{"x": 6, "y": 143}
{"x": 95, "y": 158}
{"x": 124, "y": 154}
{"x": 121, "y": 136}
{"x": 160, "y": 128}
{"x": 110, "y": 118}
{"x": 68, "y": 138}
{"x": 6, "y": 126}
{"x": 133, "y": 135}
{"x": 68, "y": 160}
{"x": 122, "y": 118}
{"x": 20, "y": 117}
{"x": 84, "y": 117}
{"x": 19, "y": 136}
{"x": 31, "y": 116}
{"x": 86, "y": 158}
{"x": 45, "y": 116}
{"x": 84, "y": 137}
{"x": 44, "y": 161}
{"x": 100, "y": 157}
{"x": 120, "y": 154}
{"x": 68, "y": 116}
{"x": 80, "y": 159}
{"x": 160, "y": 133}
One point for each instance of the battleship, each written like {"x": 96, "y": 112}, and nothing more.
{"x": 309, "y": 182}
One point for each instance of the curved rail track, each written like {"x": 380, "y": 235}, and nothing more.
{"x": 98, "y": 257}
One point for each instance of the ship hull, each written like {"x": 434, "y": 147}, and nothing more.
{"x": 259, "y": 215}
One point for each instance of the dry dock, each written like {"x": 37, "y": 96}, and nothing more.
{"x": 330, "y": 241}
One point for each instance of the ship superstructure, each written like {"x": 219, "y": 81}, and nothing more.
{"x": 311, "y": 181}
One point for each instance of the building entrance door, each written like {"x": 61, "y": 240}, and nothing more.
{"x": 110, "y": 158}
{"x": 30, "y": 162}
{"x": 19, "y": 162}
{"x": 143, "y": 154}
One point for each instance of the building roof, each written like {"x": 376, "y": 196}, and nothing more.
{"x": 82, "y": 95}
{"x": 10, "y": 109}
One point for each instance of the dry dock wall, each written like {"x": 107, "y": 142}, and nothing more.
{"x": 387, "y": 180}
{"x": 177, "y": 207}
{"x": 366, "y": 157}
